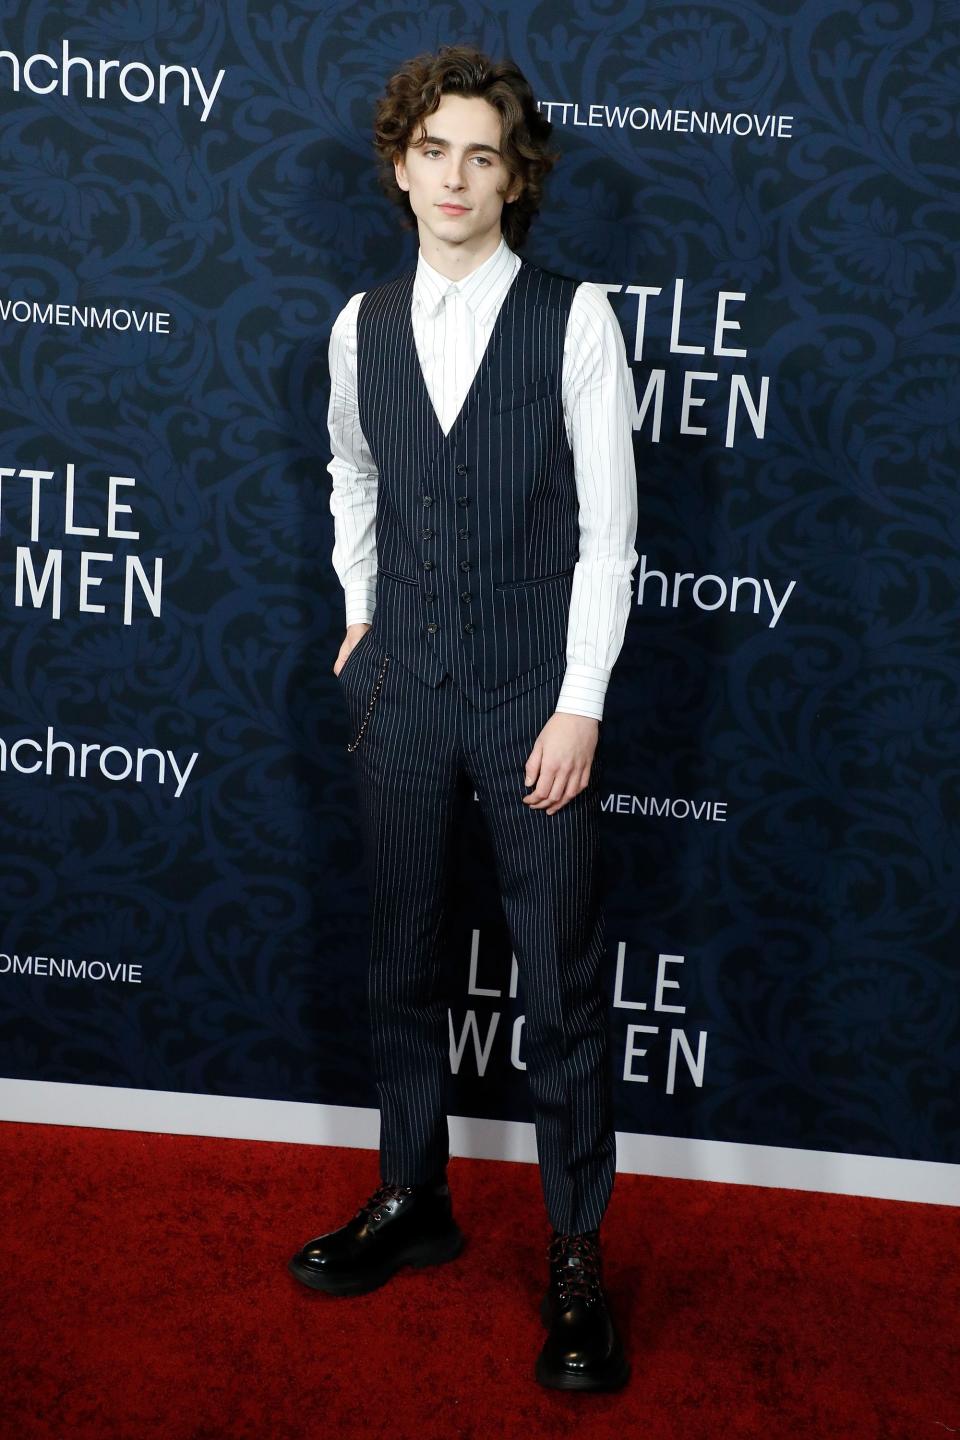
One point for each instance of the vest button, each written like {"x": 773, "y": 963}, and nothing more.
{"x": 469, "y": 627}
{"x": 425, "y": 534}
{"x": 461, "y": 469}
{"x": 427, "y": 499}
{"x": 428, "y": 564}
{"x": 464, "y": 594}
{"x": 464, "y": 564}
{"x": 461, "y": 500}
{"x": 463, "y": 533}
{"x": 433, "y": 626}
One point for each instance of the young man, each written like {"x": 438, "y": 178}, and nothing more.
{"x": 484, "y": 495}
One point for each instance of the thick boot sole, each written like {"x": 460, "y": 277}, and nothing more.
{"x": 613, "y": 1376}
{"x": 431, "y": 1250}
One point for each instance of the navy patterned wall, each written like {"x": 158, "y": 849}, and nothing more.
{"x": 769, "y": 192}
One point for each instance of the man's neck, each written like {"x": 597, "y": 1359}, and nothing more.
{"x": 456, "y": 262}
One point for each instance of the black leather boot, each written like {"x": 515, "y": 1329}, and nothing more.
{"x": 582, "y": 1350}
{"x": 398, "y": 1225}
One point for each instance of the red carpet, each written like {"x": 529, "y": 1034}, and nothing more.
{"x": 145, "y": 1297}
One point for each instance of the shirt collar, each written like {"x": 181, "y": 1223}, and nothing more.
{"x": 483, "y": 289}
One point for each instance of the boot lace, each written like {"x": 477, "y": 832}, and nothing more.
{"x": 380, "y": 1196}
{"x": 577, "y": 1266}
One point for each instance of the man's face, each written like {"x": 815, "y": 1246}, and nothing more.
{"x": 455, "y": 176}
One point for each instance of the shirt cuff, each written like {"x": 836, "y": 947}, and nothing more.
{"x": 583, "y": 691}
{"x": 360, "y": 597}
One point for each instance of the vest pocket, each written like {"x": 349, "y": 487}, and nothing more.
{"x": 404, "y": 579}
{"x": 532, "y": 580}
{"x": 377, "y": 686}
{"x": 525, "y": 394}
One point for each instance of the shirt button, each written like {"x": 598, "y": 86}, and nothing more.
{"x": 427, "y": 499}
{"x": 433, "y": 626}
{"x": 425, "y": 534}
{"x": 468, "y": 628}
{"x": 428, "y": 564}
{"x": 461, "y": 469}
{"x": 464, "y": 594}
{"x": 430, "y": 595}
{"x": 462, "y": 500}
{"x": 463, "y": 533}
{"x": 464, "y": 564}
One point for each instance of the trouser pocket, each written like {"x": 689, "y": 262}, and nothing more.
{"x": 374, "y": 692}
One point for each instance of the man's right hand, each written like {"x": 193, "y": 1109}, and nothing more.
{"x": 354, "y": 632}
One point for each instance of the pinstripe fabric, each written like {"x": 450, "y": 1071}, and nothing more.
{"x": 477, "y": 537}
{"x": 477, "y": 529}
{"x": 452, "y": 324}
{"x": 421, "y": 749}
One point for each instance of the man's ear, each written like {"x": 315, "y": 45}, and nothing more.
{"x": 400, "y": 170}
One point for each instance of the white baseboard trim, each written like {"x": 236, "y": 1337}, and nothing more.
{"x": 237, "y": 1118}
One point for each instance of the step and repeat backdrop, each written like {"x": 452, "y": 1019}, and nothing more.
{"x": 767, "y": 192}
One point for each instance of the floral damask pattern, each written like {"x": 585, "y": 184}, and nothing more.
{"x": 819, "y": 922}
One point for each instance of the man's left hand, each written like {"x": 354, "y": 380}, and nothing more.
{"x": 559, "y": 764}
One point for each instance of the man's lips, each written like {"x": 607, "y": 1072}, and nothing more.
{"x": 459, "y": 209}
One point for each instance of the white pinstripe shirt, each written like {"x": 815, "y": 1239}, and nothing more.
{"x": 452, "y": 321}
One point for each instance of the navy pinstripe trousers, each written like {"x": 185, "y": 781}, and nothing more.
{"x": 410, "y": 742}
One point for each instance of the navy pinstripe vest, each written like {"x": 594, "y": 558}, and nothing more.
{"x": 477, "y": 531}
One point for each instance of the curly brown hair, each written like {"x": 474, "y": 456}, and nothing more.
{"x": 414, "y": 92}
